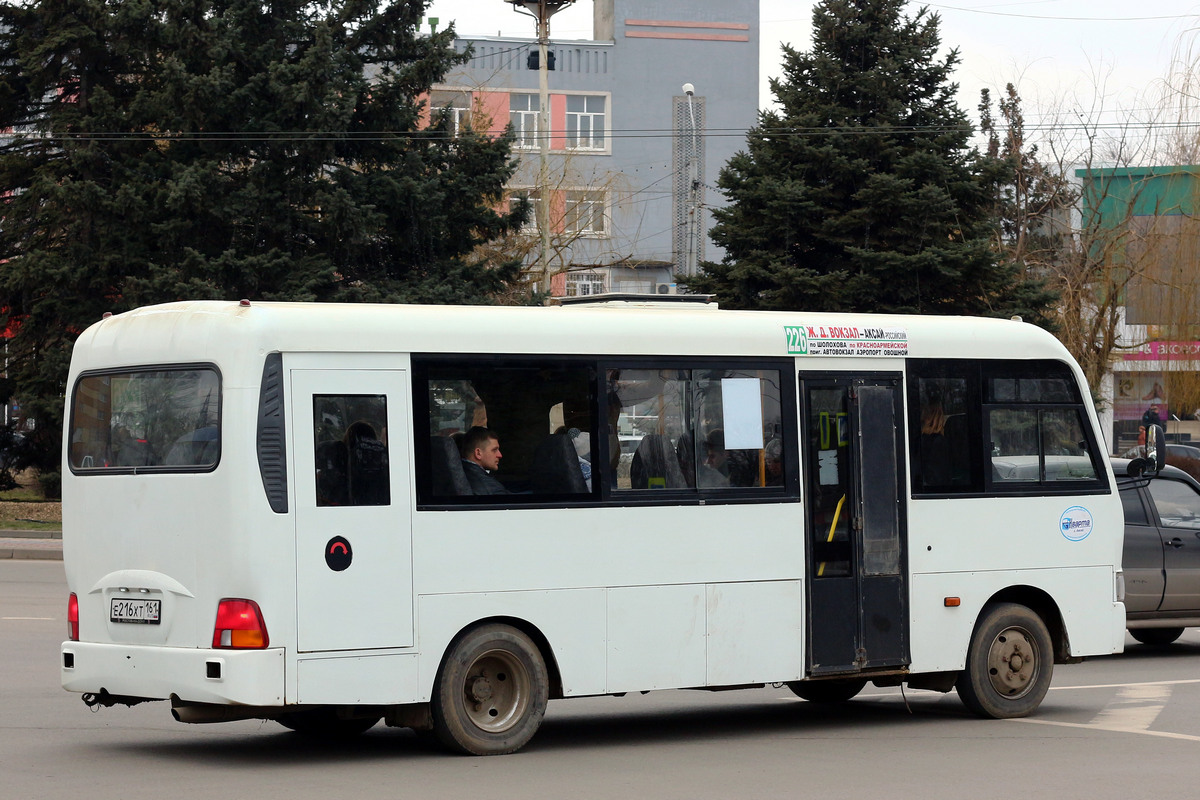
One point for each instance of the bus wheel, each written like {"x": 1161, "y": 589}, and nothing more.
{"x": 1158, "y": 636}
{"x": 833, "y": 691}
{"x": 1009, "y": 664}
{"x": 491, "y": 692}
{"x": 325, "y": 723}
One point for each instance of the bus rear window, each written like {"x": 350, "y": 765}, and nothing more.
{"x": 152, "y": 419}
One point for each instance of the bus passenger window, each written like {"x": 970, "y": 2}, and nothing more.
{"x": 739, "y": 429}
{"x": 1039, "y": 445}
{"x": 1014, "y": 444}
{"x": 350, "y": 432}
{"x": 707, "y": 429}
{"x": 999, "y": 427}
{"x": 942, "y": 446}
{"x": 653, "y": 409}
{"x": 542, "y": 413}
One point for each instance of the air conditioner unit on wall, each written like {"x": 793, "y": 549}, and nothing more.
{"x": 666, "y": 288}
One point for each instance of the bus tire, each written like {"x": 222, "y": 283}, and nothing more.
{"x": 831, "y": 691}
{"x": 1157, "y": 636}
{"x": 491, "y": 692}
{"x": 1009, "y": 664}
{"x": 324, "y": 723}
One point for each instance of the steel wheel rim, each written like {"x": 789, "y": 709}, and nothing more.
{"x": 496, "y": 691}
{"x": 1013, "y": 663}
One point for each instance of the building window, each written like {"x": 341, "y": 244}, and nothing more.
{"x": 523, "y": 110}
{"x": 530, "y": 225}
{"x": 585, "y": 122}
{"x": 455, "y": 105}
{"x": 586, "y": 213}
{"x": 582, "y": 284}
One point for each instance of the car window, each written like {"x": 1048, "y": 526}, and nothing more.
{"x": 1177, "y": 502}
{"x": 1135, "y": 512}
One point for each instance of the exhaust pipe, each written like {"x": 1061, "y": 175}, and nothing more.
{"x": 201, "y": 713}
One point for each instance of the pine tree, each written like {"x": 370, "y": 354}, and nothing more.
{"x": 862, "y": 191}
{"x": 171, "y": 149}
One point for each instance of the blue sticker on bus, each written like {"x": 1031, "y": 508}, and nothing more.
{"x": 1076, "y": 523}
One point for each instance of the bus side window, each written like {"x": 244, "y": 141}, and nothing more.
{"x": 654, "y": 414}
{"x": 708, "y": 429}
{"x": 351, "y": 456}
{"x": 1036, "y": 427}
{"x": 981, "y": 426}
{"x": 942, "y": 446}
{"x": 541, "y": 410}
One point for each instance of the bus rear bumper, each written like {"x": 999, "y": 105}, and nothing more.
{"x": 227, "y": 677}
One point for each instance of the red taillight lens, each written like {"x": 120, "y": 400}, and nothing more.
{"x": 239, "y": 625}
{"x": 73, "y": 617}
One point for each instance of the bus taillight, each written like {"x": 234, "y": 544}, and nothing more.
{"x": 239, "y": 625}
{"x": 73, "y": 617}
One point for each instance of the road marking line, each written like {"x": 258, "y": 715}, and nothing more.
{"x": 1091, "y": 727}
{"x": 1135, "y": 708}
{"x": 1123, "y": 685}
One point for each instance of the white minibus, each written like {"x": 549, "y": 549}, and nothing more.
{"x": 443, "y": 517}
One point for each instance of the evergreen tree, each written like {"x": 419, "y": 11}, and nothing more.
{"x": 862, "y": 192}
{"x": 171, "y": 149}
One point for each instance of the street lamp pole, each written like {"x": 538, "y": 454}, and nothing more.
{"x": 543, "y": 147}
{"x": 693, "y": 177}
{"x": 541, "y": 11}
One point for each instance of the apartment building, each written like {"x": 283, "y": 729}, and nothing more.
{"x": 632, "y": 158}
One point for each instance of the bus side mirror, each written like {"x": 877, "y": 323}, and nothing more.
{"x": 1156, "y": 448}
{"x": 1155, "y": 455}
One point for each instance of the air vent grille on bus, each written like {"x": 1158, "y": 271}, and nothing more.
{"x": 272, "y": 450}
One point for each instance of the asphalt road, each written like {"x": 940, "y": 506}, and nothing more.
{"x": 1117, "y": 727}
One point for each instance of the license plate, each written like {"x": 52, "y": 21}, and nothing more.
{"x": 145, "y": 612}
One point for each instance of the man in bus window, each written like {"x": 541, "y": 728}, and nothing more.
{"x": 481, "y": 457}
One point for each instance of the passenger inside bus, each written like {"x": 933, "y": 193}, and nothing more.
{"x": 368, "y": 466}
{"x": 714, "y": 471}
{"x": 935, "y": 456}
{"x": 481, "y": 457}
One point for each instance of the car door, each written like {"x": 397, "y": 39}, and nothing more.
{"x": 1177, "y": 504}
{"x": 1142, "y": 557}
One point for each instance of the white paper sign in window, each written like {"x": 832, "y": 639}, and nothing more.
{"x": 742, "y": 412}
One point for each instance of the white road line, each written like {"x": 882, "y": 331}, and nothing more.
{"x": 1091, "y": 727}
{"x": 1139, "y": 705}
{"x": 1134, "y": 709}
{"x": 1123, "y": 685}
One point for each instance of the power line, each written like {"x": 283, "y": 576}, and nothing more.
{"x": 1063, "y": 18}
{"x": 300, "y": 136}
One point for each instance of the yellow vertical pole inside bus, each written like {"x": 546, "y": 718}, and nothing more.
{"x": 837, "y": 512}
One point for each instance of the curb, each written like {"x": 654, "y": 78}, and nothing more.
{"x": 21, "y": 554}
{"x": 41, "y": 546}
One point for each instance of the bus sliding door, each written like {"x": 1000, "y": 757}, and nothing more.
{"x": 353, "y": 539}
{"x": 857, "y": 598}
